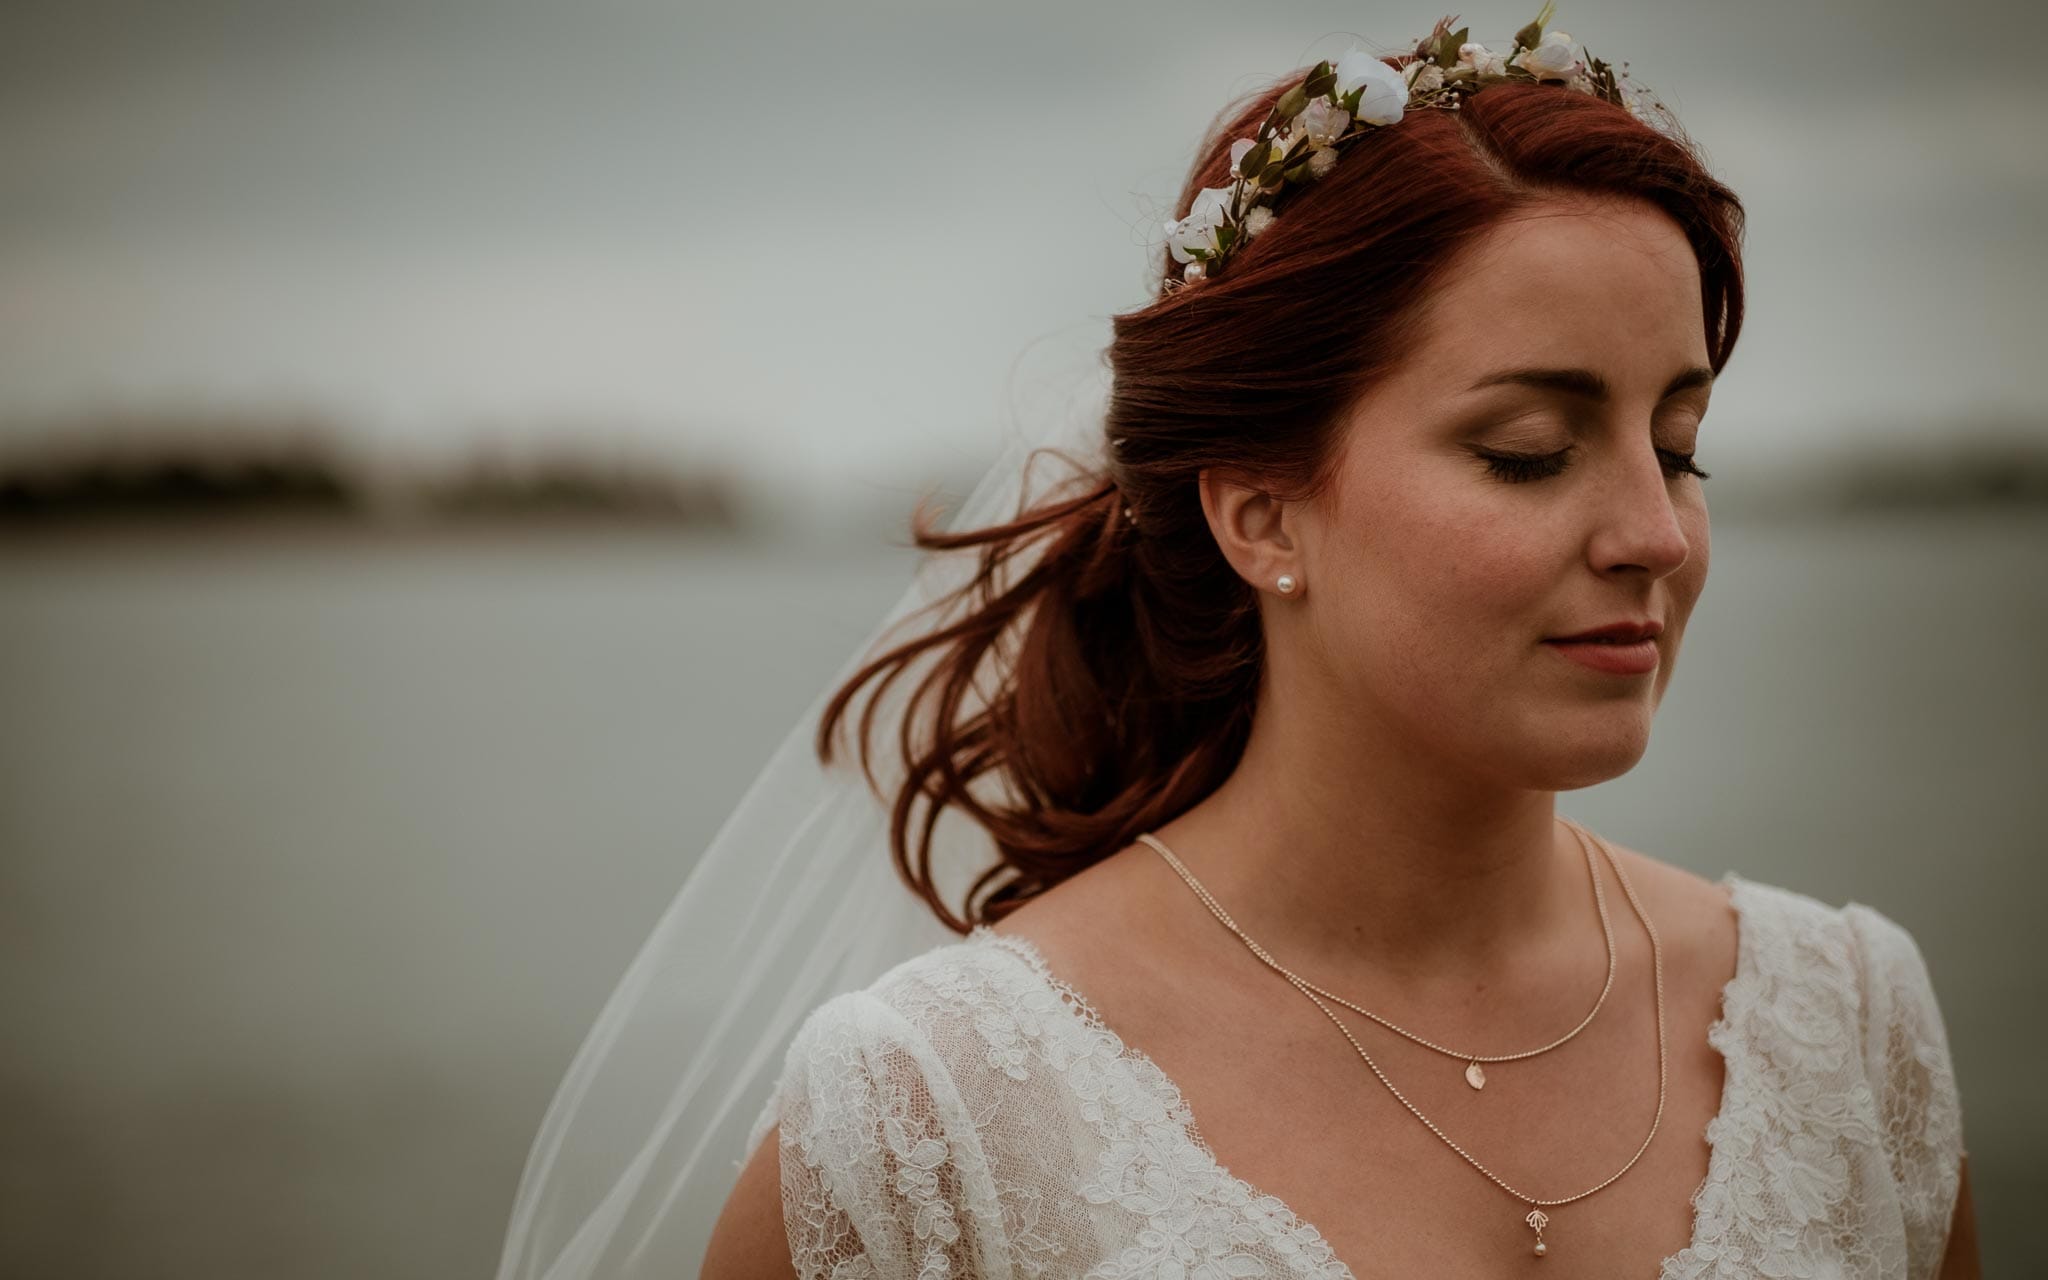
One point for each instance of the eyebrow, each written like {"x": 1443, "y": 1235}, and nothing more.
{"x": 1588, "y": 384}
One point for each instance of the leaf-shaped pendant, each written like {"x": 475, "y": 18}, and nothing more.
{"x": 1475, "y": 1076}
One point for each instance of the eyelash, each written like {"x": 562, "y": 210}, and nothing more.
{"x": 1518, "y": 468}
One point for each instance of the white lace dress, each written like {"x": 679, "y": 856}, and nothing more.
{"x": 968, "y": 1114}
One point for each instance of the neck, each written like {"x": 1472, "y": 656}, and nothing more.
{"x": 1378, "y": 864}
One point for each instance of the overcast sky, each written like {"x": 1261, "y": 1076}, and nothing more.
{"x": 842, "y": 241}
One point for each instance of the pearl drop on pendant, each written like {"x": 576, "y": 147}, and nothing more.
{"x": 1541, "y": 1248}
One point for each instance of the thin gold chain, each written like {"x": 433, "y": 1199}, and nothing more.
{"x": 1606, "y": 930}
{"x": 1657, "y": 972}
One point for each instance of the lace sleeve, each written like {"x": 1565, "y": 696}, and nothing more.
{"x": 874, "y": 1141}
{"x": 1907, "y": 1056}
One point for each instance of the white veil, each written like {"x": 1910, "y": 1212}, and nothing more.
{"x": 795, "y": 900}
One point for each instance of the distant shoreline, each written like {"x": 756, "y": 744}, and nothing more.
{"x": 195, "y": 479}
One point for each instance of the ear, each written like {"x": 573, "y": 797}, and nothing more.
{"x": 1258, "y": 533}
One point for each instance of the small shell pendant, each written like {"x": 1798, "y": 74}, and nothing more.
{"x": 1475, "y": 1076}
{"x": 1539, "y": 1220}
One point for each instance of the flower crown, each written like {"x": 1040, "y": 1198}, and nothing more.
{"x": 1298, "y": 141}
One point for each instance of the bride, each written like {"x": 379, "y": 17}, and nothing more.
{"x": 1280, "y": 960}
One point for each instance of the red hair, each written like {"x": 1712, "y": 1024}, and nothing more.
{"x": 1118, "y": 673}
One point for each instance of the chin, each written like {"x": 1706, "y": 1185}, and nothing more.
{"x": 1599, "y": 749}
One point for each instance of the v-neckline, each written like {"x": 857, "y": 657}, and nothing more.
{"x": 1148, "y": 1076}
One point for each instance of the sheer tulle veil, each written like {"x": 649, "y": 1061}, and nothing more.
{"x": 795, "y": 899}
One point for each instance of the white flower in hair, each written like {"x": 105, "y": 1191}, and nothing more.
{"x": 1183, "y": 236}
{"x": 1322, "y": 122}
{"x": 1553, "y": 59}
{"x": 1306, "y": 127}
{"x": 1423, "y": 77}
{"x": 1482, "y": 60}
{"x": 1211, "y": 205}
{"x": 1198, "y": 230}
{"x": 1386, "y": 93}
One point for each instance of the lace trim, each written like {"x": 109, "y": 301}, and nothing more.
{"x": 1721, "y": 1035}
{"x": 1724, "y": 1036}
{"x": 1290, "y": 1226}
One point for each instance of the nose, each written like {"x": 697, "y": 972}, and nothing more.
{"x": 1638, "y": 526}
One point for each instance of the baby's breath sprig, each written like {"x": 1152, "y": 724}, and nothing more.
{"x": 1300, "y": 137}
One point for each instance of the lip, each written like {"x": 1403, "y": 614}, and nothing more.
{"x": 1628, "y": 629}
{"x": 1621, "y": 659}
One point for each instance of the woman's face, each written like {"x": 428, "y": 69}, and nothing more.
{"x": 1433, "y": 578}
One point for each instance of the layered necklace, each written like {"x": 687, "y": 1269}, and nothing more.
{"x": 1475, "y": 1076}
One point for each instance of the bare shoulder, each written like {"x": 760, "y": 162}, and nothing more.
{"x": 1670, "y": 885}
{"x": 1695, "y": 912}
{"x": 749, "y": 1241}
{"x": 1086, "y": 926}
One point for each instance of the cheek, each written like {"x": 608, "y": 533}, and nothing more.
{"x": 1472, "y": 555}
{"x": 1435, "y": 588}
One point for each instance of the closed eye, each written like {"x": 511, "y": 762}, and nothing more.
{"x": 1519, "y": 468}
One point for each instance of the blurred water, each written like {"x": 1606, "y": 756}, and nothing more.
{"x": 320, "y": 850}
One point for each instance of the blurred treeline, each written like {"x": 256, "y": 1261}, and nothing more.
{"x": 207, "y": 466}
{"x": 210, "y": 466}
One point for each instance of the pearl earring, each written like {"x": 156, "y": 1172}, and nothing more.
{"x": 1286, "y": 584}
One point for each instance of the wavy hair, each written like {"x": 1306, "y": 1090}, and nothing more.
{"x": 1110, "y": 686}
